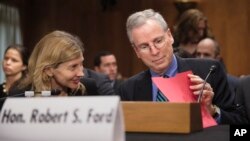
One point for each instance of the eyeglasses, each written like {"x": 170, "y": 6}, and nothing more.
{"x": 158, "y": 43}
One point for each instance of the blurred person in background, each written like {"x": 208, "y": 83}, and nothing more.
{"x": 208, "y": 48}
{"x": 14, "y": 65}
{"x": 243, "y": 94}
{"x": 105, "y": 62}
{"x": 191, "y": 27}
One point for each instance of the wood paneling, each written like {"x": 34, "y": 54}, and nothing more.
{"x": 230, "y": 24}
{"x": 105, "y": 29}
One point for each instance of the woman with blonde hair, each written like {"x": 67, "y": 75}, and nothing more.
{"x": 56, "y": 63}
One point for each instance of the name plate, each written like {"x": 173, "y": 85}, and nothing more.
{"x": 92, "y": 118}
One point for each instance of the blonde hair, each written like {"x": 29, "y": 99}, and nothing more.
{"x": 53, "y": 49}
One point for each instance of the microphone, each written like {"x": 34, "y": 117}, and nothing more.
{"x": 53, "y": 92}
{"x": 16, "y": 95}
{"x": 211, "y": 70}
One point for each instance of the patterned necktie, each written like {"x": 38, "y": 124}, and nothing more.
{"x": 160, "y": 97}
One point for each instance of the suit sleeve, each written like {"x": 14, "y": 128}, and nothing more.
{"x": 104, "y": 86}
{"x": 225, "y": 99}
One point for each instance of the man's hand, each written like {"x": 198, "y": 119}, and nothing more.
{"x": 208, "y": 94}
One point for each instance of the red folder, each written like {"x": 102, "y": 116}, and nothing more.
{"x": 176, "y": 89}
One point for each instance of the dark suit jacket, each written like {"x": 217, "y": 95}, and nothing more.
{"x": 102, "y": 82}
{"x": 139, "y": 87}
{"x": 243, "y": 94}
{"x": 117, "y": 84}
{"x": 90, "y": 85}
{"x": 233, "y": 82}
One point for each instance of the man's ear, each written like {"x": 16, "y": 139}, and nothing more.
{"x": 170, "y": 36}
{"x": 48, "y": 71}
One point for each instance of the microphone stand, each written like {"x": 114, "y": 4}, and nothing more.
{"x": 212, "y": 68}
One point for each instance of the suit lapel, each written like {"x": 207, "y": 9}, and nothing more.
{"x": 143, "y": 91}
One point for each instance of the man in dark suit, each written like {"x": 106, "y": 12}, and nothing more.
{"x": 152, "y": 42}
{"x": 243, "y": 94}
{"x": 103, "y": 84}
{"x": 105, "y": 62}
